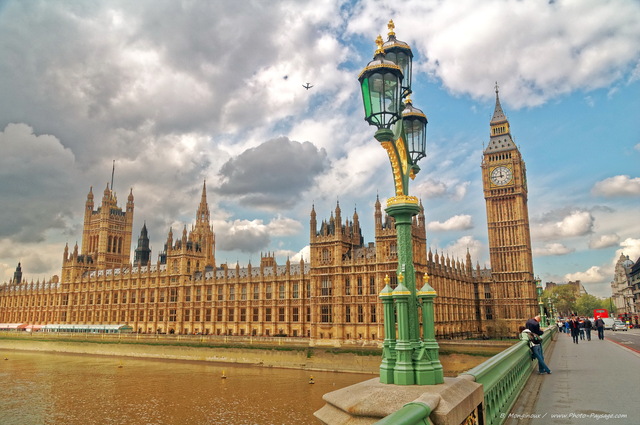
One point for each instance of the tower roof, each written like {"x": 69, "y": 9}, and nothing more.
{"x": 498, "y": 113}
{"x": 501, "y": 140}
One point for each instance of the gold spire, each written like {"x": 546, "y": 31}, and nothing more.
{"x": 379, "y": 43}
{"x": 391, "y": 27}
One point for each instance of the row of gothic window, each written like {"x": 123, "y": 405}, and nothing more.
{"x": 500, "y": 157}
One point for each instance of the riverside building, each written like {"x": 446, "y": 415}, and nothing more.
{"x": 332, "y": 297}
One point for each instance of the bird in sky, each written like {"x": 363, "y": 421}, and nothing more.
{"x": 307, "y": 86}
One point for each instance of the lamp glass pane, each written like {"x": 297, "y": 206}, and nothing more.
{"x": 391, "y": 93}
{"x": 366, "y": 98}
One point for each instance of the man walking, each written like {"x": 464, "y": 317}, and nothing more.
{"x": 587, "y": 328}
{"x": 574, "y": 326}
{"x": 600, "y": 327}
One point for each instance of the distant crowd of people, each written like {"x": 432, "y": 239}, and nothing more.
{"x": 580, "y": 328}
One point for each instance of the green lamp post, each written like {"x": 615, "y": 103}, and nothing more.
{"x": 385, "y": 82}
{"x": 543, "y": 317}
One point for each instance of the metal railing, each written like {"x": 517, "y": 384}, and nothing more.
{"x": 504, "y": 376}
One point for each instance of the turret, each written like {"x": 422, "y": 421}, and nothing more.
{"x": 17, "y": 275}
{"x": 313, "y": 224}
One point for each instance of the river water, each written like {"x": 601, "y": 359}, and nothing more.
{"x": 43, "y": 388}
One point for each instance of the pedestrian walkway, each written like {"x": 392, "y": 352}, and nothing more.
{"x": 593, "y": 382}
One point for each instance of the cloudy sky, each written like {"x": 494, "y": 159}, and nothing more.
{"x": 182, "y": 92}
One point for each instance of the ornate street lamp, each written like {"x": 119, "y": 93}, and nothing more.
{"x": 380, "y": 82}
{"x": 408, "y": 358}
{"x": 399, "y": 53}
{"x": 415, "y": 132}
{"x": 540, "y": 303}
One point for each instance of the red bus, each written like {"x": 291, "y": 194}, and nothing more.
{"x": 600, "y": 312}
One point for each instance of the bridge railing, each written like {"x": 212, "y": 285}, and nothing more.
{"x": 503, "y": 377}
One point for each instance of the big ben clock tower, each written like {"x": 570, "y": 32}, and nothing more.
{"x": 512, "y": 294}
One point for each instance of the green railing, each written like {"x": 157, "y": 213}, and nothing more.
{"x": 503, "y": 377}
{"x": 413, "y": 413}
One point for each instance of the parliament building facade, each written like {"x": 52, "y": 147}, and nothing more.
{"x": 333, "y": 296}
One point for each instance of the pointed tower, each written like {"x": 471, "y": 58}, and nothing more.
{"x": 202, "y": 234}
{"x": 17, "y": 275}
{"x": 313, "y": 224}
{"x": 106, "y": 235}
{"x": 504, "y": 180}
{"x": 143, "y": 252}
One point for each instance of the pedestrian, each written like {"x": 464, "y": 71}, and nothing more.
{"x": 566, "y": 326}
{"x": 581, "y": 328}
{"x": 535, "y": 345}
{"x": 587, "y": 328}
{"x": 600, "y": 327}
{"x": 574, "y": 326}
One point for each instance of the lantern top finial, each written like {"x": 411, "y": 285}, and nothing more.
{"x": 379, "y": 43}
{"x": 391, "y": 27}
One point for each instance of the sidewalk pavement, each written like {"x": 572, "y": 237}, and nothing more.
{"x": 592, "y": 382}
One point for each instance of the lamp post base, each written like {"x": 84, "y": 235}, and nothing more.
{"x": 369, "y": 401}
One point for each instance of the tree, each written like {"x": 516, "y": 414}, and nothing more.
{"x": 586, "y": 304}
{"x": 608, "y": 304}
{"x": 563, "y": 297}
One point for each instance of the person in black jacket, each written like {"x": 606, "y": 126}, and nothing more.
{"x": 600, "y": 327}
{"x": 574, "y": 326}
{"x": 533, "y": 325}
{"x": 587, "y": 328}
{"x": 535, "y": 345}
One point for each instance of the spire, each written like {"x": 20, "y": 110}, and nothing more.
{"x": 498, "y": 114}
{"x": 501, "y": 140}
{"x": 202, "y": 214}
{"x": 130, "y": 200}
{"x": 17, "y": 275}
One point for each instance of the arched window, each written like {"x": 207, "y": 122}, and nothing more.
{"x": 325, "y": 255}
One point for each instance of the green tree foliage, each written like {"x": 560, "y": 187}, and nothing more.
{"x": 564, "y": 298}
{"x": 586, "y": 304}
{"x": 608, "y": 304}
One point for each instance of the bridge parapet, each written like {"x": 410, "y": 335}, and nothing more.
{"x": 503, "y": 377}
{"x": 477, "y": 396}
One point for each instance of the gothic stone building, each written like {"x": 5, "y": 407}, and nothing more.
{"x": 332, "y": 296}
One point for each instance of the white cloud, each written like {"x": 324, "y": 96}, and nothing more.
{"x": 304, "y": 253}
{"x": 539, "y": 50}
{"x": 594, "y": 274}
{"x": 577, "y": 223}
{"x": 431, "y": 188}
{"x": 552, "y": 249}
{"x": 284, "y": 226}
{"x": 458, "y": 249}
{"x": 457, "y": 222}
{"x": 37, "y": 180}
{"x": 604, "y": 241}
{"x": 617, "y": 186}
{"x": 630, "y": 247}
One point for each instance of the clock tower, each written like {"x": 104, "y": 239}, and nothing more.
{"x": 504, "y": 179}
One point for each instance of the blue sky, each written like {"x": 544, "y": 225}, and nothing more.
{"x": 182, "y": 92}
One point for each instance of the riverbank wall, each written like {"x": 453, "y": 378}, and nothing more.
{"x": 456, "y": 357}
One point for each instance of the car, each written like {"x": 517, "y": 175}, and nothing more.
{"x": 619, "y": 326}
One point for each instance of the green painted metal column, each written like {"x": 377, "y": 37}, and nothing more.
{"x": 403, "y": 373}
{"x": 402, "y": 214}
{"x": 389, "y": 345}
{"x": 433, "y": 374}
{"x": 543, "y": 317}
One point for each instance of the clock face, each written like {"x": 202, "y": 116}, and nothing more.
{"x": 501, "y": 175}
